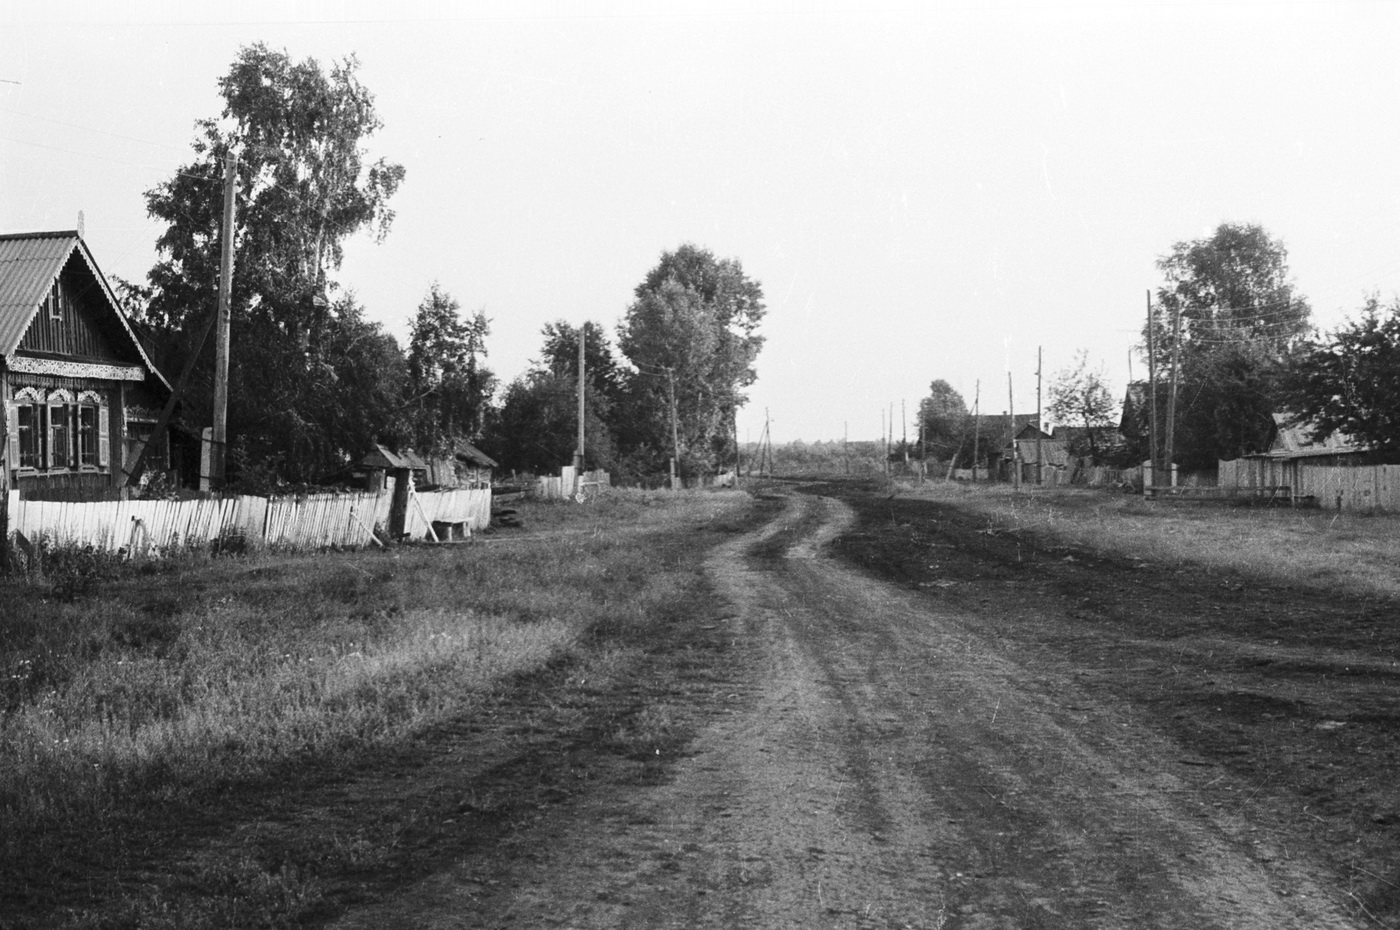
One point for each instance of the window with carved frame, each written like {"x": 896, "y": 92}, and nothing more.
{"x": 88, "y": 423}
{"x": 28, "y": 428}
{"x": 60, "y": 410}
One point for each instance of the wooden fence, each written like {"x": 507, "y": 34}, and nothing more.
{"x": 314, "y": 521}
{"x": 553, "y": 489}
{"x": 1333, "y": 487}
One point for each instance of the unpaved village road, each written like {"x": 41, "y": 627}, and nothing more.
{"x": 881, "y": 760}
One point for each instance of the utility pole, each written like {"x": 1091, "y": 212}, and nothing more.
{"x": 885, "y": 442}
{"x": 923, "y": 447}
{"x": 675, "y": 432}
{"x": 904, "y": 427}
{"x": 578, "y": 453}
{"x": 217, "y": 458}
{"x": 767, "y": 443}
{"x": 1171, "y": 398}
{"x": 889, "y": 439}
{"x": 738, "y": 451}
{"x": 1039, "y": 429}
{"x": 846, "y": 443}
{"x": 1152, "y": 385}
{"x": 1015, "y": 449}
{"x": 976, "y": 424}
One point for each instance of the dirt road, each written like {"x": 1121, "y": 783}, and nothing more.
{"x": 876, "y": 757}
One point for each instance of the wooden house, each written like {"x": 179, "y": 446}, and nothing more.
{"x": 998, "y": 436}
{"x": 80, "y": 392}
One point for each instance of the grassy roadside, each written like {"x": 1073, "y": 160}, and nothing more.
{"x": 139, "y": 704}
{"x": 1322, "y": 549}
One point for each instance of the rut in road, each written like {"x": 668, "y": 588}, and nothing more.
{"x": 888, "y": 766}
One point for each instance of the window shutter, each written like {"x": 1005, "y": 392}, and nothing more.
{"x": 104, "y": 436}
{"x": 45, "y": 428}
{"x": 12, "y": 426}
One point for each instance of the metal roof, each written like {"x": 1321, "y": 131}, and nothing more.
{"x": 29, "y": 264}
{"x": 473, "y": 455}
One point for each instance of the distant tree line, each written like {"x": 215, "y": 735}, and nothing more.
{"x": 314, "y": 384}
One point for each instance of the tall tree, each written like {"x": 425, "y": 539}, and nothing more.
{"x": 449, "y": 386}
{"x": 1080, "y": 396}
{"x": 692, "y": 334}
{"x": 1349, "y": 381}
{"x": 1228, "y": 317}
{"x": 305, "y": 186}
{"x": 943, "y": 415}
{"x": 536, "y": 427}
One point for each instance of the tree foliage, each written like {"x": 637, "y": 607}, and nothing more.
{"x": 1240, "y": 318}
{"x": 691, "y": 334}
{"x": 943, "y": 417}
{"x": 449, "y": 386}
{"x": 536, "y": 427}
{"x": 1080, "y": 396}
{"x": 304, "y": 186}
{"x": 1349, "y": 381}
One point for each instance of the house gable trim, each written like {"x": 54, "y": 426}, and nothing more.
{"x": 49, "y": 366}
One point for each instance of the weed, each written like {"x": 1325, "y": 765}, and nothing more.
{"x": 131, "y": 698}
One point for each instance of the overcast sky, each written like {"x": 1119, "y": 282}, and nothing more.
{"x": 923, "y": 192}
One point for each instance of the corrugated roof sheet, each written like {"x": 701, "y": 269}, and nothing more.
{"x": 1295, "y": 439}
{"x": 472, "y": 454}
{"x": 29, "y": 263}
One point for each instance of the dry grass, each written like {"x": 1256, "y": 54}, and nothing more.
{"x": 1319, "y": 548}
{"x": 138, "y": 688}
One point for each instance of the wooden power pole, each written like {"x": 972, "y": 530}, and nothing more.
{"x": 1152, "y": 385}
{"x": 217, "y": 457}
{"x": 1039, "y": 429}
{"x": 976, "y": 424}
{"x": 578, "y": 453}
{"x": 675, "y": 432}
{"x": 1171, "y": 398}
{"x": 1015, "y": 449}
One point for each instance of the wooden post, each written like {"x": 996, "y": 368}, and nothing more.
{"x": 1171, "y": 397}
{"x": 1015, "y": 449}
{"x": 578, "y": 453}
{"x": 675, "y": 430}
{"x": 976, "y": 424}
{"x": 398, "y": 505}
{"x": 221, "y": 339}
{"x": 1152, "y": 380}
{"x": 1039, "y": 430}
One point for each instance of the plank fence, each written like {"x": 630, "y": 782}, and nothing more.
{"x": 312, "y": 521}
{"x": 1362, "y": 488}
{"x": 551, "y": 488}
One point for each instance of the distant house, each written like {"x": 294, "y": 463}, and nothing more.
{"x": 80, "y": 392}
{"x": 995, "y": 436}
{"x": 1294, "y": 441}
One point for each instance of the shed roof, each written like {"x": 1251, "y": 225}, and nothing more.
{"x": 1294, "y": 440}
{"x": 470, "y": 453}
{"x": 29, "y": 265}
{"x": 381, "y": 457}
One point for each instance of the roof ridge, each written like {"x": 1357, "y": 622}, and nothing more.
{"x": 46, "y": 234}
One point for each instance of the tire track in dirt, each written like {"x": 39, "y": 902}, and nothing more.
{"x": 882, "y": 764}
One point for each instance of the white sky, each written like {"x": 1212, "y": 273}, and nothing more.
{"x": 924, "y": 192}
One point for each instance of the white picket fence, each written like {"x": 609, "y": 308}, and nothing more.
{"x": 314, "y": 521}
